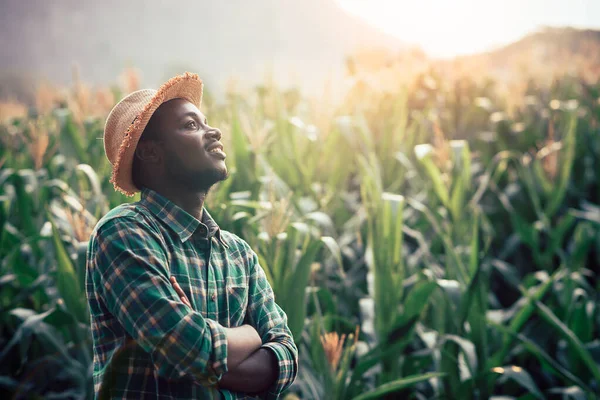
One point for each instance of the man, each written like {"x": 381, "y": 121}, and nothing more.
{"x": 180, "y": 308}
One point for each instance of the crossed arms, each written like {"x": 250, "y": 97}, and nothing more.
{"x": 134, "y": 281}
{"x": 251, "y": 369}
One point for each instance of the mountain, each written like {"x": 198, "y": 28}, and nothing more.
{"x": 217, "y": 39}
{"x": 540, "y": 56}
{"x": 543, "y": 54}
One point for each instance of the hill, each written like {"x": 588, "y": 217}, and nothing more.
{"x": 217, "y": 39}
{"x": 543, "y": 54}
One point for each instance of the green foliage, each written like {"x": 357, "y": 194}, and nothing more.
{"x": 424, "y": 243}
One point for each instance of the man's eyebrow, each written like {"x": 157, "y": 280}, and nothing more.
{"x": 192, "y": 114}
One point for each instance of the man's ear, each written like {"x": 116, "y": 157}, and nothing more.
{"x": 148, "y": 151}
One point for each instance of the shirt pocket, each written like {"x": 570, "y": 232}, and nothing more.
{"x": 237, "y": 302}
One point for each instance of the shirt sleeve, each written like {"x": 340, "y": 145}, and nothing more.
{"x": 271, "y": 323}
{"x": 130, "y": 272}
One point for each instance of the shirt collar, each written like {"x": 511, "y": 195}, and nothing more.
{"x": 179, "y": 220}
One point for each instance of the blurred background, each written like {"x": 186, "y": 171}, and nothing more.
{"x": 420, "y": 180}
{"x": 300, "y": 44}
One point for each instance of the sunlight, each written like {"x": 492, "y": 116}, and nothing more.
{"x": 447, "y": 28}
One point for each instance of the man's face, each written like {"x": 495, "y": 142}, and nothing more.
{"x": 192, "y": 153}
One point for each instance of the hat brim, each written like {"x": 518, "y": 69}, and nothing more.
{"x": 187, "y": 86}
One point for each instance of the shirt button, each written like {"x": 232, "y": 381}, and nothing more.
{"x": 214, "y": 296}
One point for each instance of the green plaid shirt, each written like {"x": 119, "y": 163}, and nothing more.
{"x": 147, "y": 343}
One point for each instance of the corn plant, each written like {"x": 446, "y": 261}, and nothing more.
{"x": 287, "y": 260}
{"x": 457, "y": 226}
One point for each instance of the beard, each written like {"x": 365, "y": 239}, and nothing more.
{"x": 199, "y": 180}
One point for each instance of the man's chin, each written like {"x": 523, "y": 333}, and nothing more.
{"x": 221, "y": 175}
{"x": 211, "y": 178}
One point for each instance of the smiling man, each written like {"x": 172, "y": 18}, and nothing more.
{"x": 180, "y": 308}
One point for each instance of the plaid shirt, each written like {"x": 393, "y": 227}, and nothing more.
{"x": 147, "y": 343}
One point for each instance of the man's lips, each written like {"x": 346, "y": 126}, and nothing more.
{"x": 216, "y": 149}
{"x": 215, "y": 145}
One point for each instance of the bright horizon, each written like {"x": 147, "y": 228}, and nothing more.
{"x": 447, "y": 29}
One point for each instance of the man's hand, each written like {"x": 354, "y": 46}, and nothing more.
{"x": 242, "y": 341}
{"x": 180, "y": 292}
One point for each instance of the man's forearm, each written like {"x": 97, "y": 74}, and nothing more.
{"x": 253, "y": 375}
{"x": 242, "y": 341}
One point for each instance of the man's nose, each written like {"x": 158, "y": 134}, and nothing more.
{"x": 214, "y": 133}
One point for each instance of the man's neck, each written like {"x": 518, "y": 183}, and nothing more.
{"x": 191, "y": 202}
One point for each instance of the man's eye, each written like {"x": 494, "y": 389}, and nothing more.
{"x": 191, "y": 124}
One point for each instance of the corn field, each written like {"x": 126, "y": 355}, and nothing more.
{"x": 440, "y": 240}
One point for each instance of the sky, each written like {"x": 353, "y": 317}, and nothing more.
{"x": 446, "y": 28}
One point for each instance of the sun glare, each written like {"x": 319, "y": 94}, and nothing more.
{"x": 444, "y": 28}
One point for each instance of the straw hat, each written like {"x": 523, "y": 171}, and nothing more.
{"x": 128, "y": 119}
